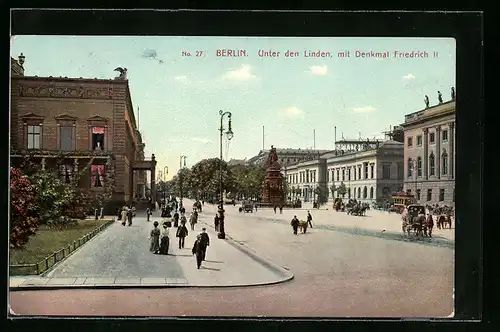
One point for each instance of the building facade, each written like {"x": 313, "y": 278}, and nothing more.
{"x": 287, "y": 156}
{"x": 88, "y": 123}
{"x": 429, "y": 154}
{"x": 372, "y": 172}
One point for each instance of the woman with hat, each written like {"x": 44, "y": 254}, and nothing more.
{"x": 154, "y": 237}
{"x": 165, "y": 240}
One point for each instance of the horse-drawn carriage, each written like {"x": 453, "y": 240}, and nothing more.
{"x": 246, "y": 206}
{"x": 442, "y": 215}
{"x": 413, "y": 219}
{"x": 356, "y": 208}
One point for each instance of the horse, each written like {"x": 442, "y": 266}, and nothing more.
{"x": 440, "y": 221}
{"x": 428, "y": 226}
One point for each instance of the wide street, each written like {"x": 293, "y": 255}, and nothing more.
{"x": 345, "y": 266}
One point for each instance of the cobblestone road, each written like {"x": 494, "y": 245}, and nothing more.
{"x": 337, "y": 274}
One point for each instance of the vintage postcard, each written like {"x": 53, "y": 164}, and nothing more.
{"x": 232, "y": 176}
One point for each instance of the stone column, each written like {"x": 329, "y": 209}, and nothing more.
{"x": 425, "y": 132}
{"x": 451, "y": 152}
{"x": 438, "y": 152}
{"x": 43, "y": 163}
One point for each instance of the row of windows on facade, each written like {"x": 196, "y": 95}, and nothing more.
{"x": 432, "y": 165}
{"x": 97, "y": 174}
{"x": 432, "y": 139}
{"x": 66, "y": 137}
{"x": 353, "y": 175}
{"x": 430, "y": 192}
{"x": 355, "y": 190}
{"x": 303, "y": 177}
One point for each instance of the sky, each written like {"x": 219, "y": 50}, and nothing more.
{"x": 299, "y": 100}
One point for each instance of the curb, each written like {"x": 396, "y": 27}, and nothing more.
{"x": 284, "y": 273}
{"x": 139, "y": 286}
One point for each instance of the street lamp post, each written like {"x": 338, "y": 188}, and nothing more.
{"x": 229, "y": 133}
{"x": 165, "y": 171}
{"x": 180, "y": 177}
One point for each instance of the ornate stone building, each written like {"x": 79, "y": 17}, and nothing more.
{"x": 430, "y": 153}
{"x": 370, "y": 170}
{"x": 87, "y": 122}
{"x": 287, "y": 156}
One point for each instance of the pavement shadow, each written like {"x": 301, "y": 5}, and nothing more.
{"x": 183, "y": 255}
{"x": 213, "y": 261}
{"x": 209, "y": 268}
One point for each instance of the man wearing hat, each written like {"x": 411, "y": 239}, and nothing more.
{"x": 204, "y": 242}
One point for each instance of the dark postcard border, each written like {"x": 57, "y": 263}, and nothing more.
{"x": 465, "y": 27}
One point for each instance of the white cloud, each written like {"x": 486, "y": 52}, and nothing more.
{"x": 409, "y": 77}
{"x": 293, "y": 112}
{"x": 364, "y": 109}
{"x": 319, "y": 70}
{"x": 201, "y": 140}
{"x": 182, "y": 79}
{"x": 244, "y": 73}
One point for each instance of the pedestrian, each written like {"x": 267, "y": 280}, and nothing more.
{"x": 182, "y": 232}
{"x": 148, "y": 213}
{"x": 176, "y": 219}
{"x": 216, "y": 222}
{"x": 255, "y": 207}
{"x": 275, "y": 209}
{"x": 165, "y": 240}
{"x": 192, "y": 220}
{"x": 205, "y": 242}
{"x": 183, "y": 210}
{"x": 197, "y": 251}
{"x": 124, "y": 215}
{"x": 129, "y": 216}
{"x": 154, "y": 238}
{"x": 203, "y": 202}
{"x": 295, "y": 224}
{"x": 183, "y": 219}
{"x": 309, "y": 219}
{"x": 119, "y": 214}
{"x": 281, "y": 209}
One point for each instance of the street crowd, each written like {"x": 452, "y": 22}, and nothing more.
{"x": 160, "y": 239}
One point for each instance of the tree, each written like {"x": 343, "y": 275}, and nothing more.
{"x": 342, "y": 190}
{"x": 23, "y": 217}
{"x": 321, "y": 195}
{"x": 333, "y": 189}
{"x": 52, "y": 196}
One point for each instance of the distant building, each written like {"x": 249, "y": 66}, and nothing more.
{"x": 429, "y": 154}
{"x": 287, "y": 156}
{"x": 371, "y": 170}
{"x": 237, "y": 162}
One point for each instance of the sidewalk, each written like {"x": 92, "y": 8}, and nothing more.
{"x": 226, "y": 265}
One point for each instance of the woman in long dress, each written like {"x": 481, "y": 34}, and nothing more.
{"x": 154, "y": 237}
{"x": 165, "y": 240}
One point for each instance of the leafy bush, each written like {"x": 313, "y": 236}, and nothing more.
{"x": 23, "y": 217}
{"x": 52, "y": 196}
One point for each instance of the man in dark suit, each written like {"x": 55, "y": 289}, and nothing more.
{"x": 204, "y": 243}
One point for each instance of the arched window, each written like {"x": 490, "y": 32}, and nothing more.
{"x": 444, "y": 158}
{"x": 409, "y": 167}
{"x": 359, "y": 192}
{"x": 419, "y": 166}
{"x": 365, "y": 192}
{"x": 349, "y": 192}
{"x": 371, "y": 192}
{"x": 386, "y": 191}
{"x": 432, "y": 164}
